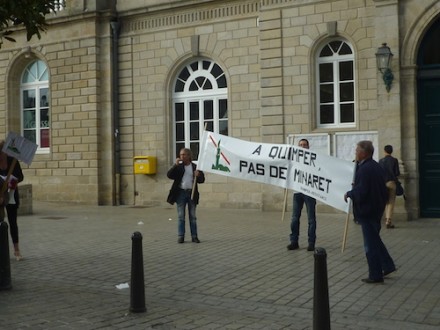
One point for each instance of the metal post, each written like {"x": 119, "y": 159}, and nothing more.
{"x": 5, "y": 263}
{"x": 321, "y": 307}
{"x": 137, "y": 288}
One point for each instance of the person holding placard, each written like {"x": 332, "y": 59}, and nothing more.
{"x": 299, "y": 199}
{"x": 10, "y": 200}
{"x": 369, "y": 196}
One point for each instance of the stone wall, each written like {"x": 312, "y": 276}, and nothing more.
{"x": 25, "y": 207}
{"x": 77, "y": 56}
{"x": 154, "y": 48}
{"x": 267, "y": 49}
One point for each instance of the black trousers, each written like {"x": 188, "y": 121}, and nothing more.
{"x": 12, "y": 210}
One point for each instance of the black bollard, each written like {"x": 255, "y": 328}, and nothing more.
{"x": 5, "y": 263}
{"x": 137, "y": 288}
{"x": 321, "y": 306}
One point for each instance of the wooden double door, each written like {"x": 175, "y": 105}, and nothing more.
{"x": 428, "y": 107}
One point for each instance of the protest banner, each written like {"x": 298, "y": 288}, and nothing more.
{"x": 320, "y": 176}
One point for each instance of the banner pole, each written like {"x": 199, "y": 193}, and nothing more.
{"x": 286, "y": 192}
{"x": 344, "y": 238}
{"x": 195, "y": 178}
{"x": 284, "y": 204}
{"x": 194, "y": 186}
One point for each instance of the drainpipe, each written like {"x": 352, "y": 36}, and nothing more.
{"x": 115, "y": 27}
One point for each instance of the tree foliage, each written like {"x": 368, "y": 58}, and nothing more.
{"x": 28, "y": 13}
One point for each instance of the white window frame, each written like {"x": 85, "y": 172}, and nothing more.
{"x": 186, "y": 97}
{"x": 36, "y": 86}
{"x": 335, "y": 60}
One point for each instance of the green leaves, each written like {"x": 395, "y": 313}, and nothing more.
{"x": 29, "y": 13}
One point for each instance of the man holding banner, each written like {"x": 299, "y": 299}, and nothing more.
{"x": 299, "y": 199}
{"x": 316, "y": 176}
{"x": 184, "y": 192}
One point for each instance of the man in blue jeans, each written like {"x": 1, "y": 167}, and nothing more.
{"x": 369, "y": 195}
{"x": 184, "y": 172}
{"x": 299, "y": 199}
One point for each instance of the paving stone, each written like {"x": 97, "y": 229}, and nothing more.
{"x": 240, "y": 277}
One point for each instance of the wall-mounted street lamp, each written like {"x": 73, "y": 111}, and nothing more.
{"x": 383, "y": 57}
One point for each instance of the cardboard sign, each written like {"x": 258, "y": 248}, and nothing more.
{"x": 20, "y": 148}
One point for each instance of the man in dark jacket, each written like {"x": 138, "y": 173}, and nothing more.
{"x": 186, "y": 177}
{"x": 369, "y": 196}
{"x": 391, "y": 168}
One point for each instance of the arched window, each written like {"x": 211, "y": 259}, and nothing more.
{"x": 35, "y": 104}
{"x": 200, "y": 98}
{"x": 336, "y": 85}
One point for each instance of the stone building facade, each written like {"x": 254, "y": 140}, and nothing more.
{"x": 113, "y": 80}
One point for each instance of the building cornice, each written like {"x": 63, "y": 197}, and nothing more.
{"x": 381, "y": 3}
{"x": 187, "y": 16}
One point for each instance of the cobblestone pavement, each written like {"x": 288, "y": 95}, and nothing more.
{"x": 241, "y": 276}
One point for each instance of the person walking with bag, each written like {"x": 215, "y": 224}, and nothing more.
{"x": 299, "y": 199}
{"x": 391, "y": 167}
{"x": 369, "y": 196}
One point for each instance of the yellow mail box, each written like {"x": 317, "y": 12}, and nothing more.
{"x": 144, "y": 165}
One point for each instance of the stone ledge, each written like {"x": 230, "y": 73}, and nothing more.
{"x": 25, "y": 191}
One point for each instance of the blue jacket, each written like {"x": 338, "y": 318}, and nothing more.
{"x": 369, "y": 193}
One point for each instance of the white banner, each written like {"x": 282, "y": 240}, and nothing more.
{"x": 317, "y": 175}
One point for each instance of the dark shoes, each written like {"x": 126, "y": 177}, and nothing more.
{"x": 293, "y": 246}
{"x": 181, "y": 239}
{"x": 385, "y": 273}
{"x": 370, "y": 281}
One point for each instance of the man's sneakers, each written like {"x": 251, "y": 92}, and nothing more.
{"x": 311, "y": 247}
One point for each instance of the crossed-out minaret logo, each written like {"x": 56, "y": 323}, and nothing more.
{"x": 218, "y": 166}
